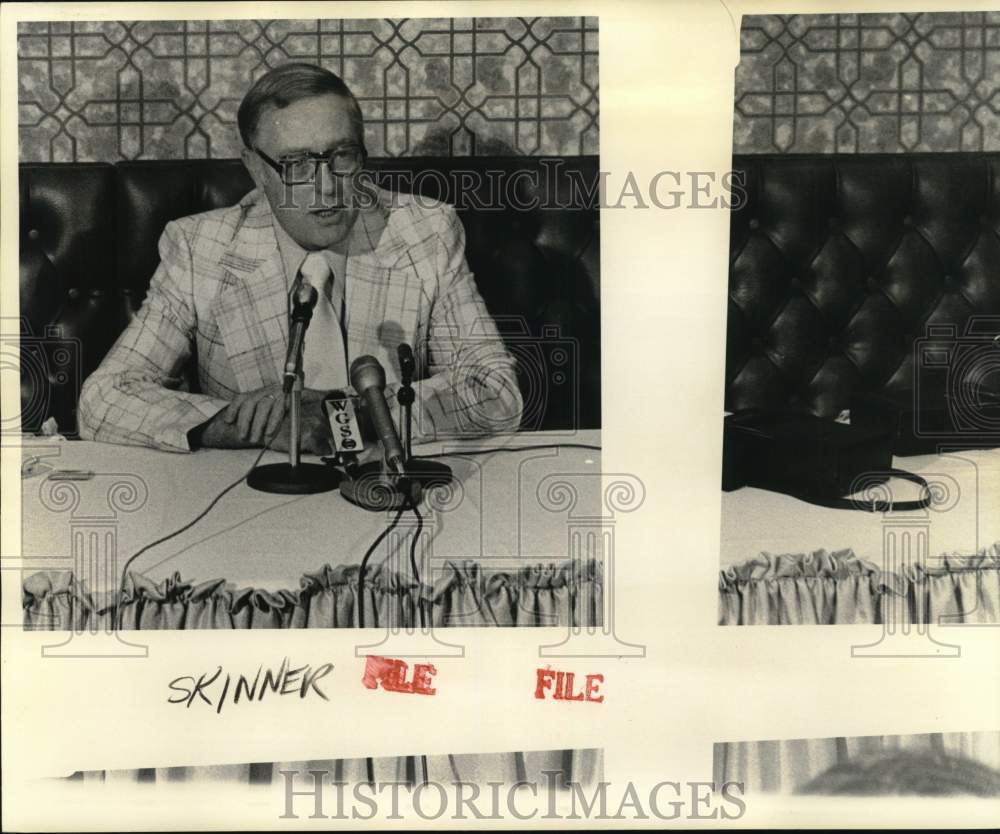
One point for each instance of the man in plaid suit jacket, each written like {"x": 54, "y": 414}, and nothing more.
{"x": 220, "y": 296}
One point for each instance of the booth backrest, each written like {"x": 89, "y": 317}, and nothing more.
{"x": 840, "y": 263}
{"x": 88, "y": 248}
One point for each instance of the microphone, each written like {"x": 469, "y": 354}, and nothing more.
{"x": 368, "y": 485}
{"x": 407, "y": 364}
{"x": 294, "y": 477}
{"x": 368, "y": 379}
{"x": 303, "y": 301}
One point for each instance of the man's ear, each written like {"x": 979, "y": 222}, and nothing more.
{"x": 253, "y": 163}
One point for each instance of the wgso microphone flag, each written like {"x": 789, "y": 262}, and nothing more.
{"x": 341, "y": 411}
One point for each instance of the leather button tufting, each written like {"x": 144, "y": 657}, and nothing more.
{"x": 73, "y": 293}
{"x": 34, "y": 234}
{"x": 754, "y": 224}
{"x": 862, "y": 252}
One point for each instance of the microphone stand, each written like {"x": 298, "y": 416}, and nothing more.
{"x": 373, "y": 487}
{"x": 294, "y": 477}
{"x": 405, "y": 397}
{"x": 426, "y": 473}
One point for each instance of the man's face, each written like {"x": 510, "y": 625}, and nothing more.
{"x": 316, "y": 215}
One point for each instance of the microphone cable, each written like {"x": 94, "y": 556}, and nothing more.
{"x": 481, "y": 451}
{"x": 408, "y": 504}
{"x": 413, "y": 556}
{"x": 364, "y": 564}
{"x": 190, "y": 524}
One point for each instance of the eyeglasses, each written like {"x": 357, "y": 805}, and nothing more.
{"x": 304, "y": 168}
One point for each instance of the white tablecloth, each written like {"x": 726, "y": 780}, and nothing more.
{"x": 966, "y": 519}
{"x": 505, "y": 511}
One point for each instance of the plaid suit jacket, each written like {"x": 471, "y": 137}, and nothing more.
{"x": 219, "y": 298}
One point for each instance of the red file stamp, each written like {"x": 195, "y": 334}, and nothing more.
{"x": 563, "y": 686}
{"x": 390, "y": 674}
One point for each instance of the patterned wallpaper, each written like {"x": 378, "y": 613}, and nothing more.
{"x": 850, "y": 83}
{"x": 111, "y": 90}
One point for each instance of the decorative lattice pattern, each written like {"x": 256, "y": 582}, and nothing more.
{"x": 113, "y": 90}
{"x": 849, "y": 83}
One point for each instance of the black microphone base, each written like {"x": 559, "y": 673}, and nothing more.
{"x": 285, "y": 479}
{"x": 369, "y": 487}
{"x": 429, "y": 473}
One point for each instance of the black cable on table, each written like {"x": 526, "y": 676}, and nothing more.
{"x": 364, "y": 565}
{"x": 413, "y": 557}
{"x": 459, "y": 453}
{"x": 190, "y": 524}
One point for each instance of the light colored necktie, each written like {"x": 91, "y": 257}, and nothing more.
{"x": 324, "y": 358}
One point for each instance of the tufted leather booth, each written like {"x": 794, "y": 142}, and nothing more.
{"x": 839, "y": 264}
{"x": 88, "y": 248}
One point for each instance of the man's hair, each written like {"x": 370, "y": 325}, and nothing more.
{"x": 290, "y": 83}
{"x": 930, "y": 773}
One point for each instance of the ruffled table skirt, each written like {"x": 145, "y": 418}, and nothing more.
{"x": 463, "y": 594}
{"x": 824, "y": 588}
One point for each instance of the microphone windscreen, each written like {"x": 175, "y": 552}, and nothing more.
{"x": 366, "y": 372}
{"x": 405, "y": 354}
{"x": 305, "y": 296}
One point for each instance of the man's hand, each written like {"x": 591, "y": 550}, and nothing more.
{"x": 252, "y": 418}
{"x": 256, "y": 415}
